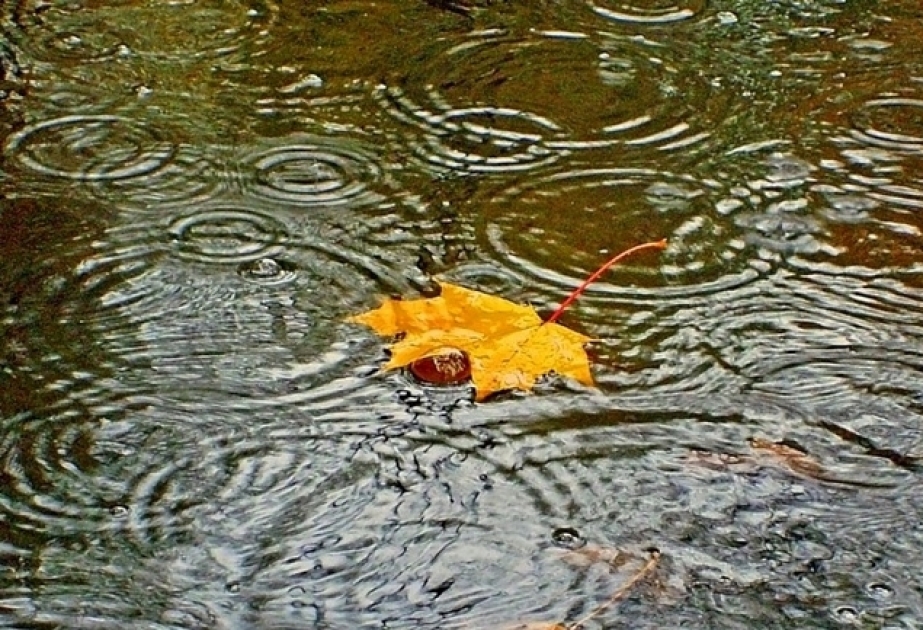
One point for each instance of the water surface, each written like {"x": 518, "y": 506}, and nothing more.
{"x": 196, "y": 194}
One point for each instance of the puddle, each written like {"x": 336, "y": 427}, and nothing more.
{"x": 194, "y": 196}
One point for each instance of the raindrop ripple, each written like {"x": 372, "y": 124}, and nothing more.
{"x": 312, "y": 172}
{"x": 89, "y": 148}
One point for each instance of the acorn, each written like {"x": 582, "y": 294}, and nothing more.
{"x": 449, "y": 368}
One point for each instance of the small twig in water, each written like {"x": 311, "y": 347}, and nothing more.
{"x": 619, "y": 594}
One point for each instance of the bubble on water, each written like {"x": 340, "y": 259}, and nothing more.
{"x": 567, "y": 538}
{"x": 847, "y": 614}
{"x": 267, "y": 271}
{"x": 119, "y": 511}
{"x": 880, "y": 590}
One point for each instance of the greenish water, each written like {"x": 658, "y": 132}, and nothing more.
{"x": 194, "y": 195}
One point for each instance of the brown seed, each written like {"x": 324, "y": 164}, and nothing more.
{"x": 448, "y": 368}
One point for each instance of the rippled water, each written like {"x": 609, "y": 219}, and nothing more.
{"x": 196, "y": 194}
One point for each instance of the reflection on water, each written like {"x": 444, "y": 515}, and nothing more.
{"x": 196, "y": 194}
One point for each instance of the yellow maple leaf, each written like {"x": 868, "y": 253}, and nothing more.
{"x": 507, "y": 344}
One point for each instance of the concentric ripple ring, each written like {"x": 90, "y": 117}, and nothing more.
{"x": 653, "y": 16}
{"x": 893, "y": 123}
{"x": 89, "y": 148}
{"x": 227, "y": 235}
{"x": 324, "y": 173}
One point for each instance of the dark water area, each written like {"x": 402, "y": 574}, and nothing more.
{"x": 194, "y": 195}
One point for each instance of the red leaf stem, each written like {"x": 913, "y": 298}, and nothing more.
{"x": 661, "y": 244}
